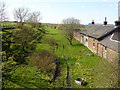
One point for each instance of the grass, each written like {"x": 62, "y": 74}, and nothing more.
{"x": 106, "y": 75}
{"x": 82, "y": 61}
{"x": 81, "y": 64}
{"x": 8, "y": 24}
{"x": 27, "y": 76}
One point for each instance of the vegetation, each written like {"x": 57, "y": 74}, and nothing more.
{"x": 40, "y": 56}
{"x": 3, "y": 15}
{"x": 106, "y": 75}
{"x": 17, "y": 44}
{"x": 45, "y": 61}
{"x": 69, "y": 26}
{"x": 38, "y": 71}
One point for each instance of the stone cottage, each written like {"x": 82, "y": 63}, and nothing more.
{"x": 103, "y": 40}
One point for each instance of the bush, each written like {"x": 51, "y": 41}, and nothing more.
{"x": 51, "y": 42}
{"x": 19, "y": 25}
{"x": 8, "y": 64}
{"x": 45, "y": 61}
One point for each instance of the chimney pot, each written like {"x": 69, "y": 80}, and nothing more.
{"x": 105, "y": 18}
{"x": 93, "y": 22}
{"x": 105, "y": 22}
{"x": 119, "y": 19}
{"x": 117, "y": 23}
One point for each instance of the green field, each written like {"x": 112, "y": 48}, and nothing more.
{"x": 82, "y": 61}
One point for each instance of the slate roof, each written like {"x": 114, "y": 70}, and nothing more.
{"x": 112, "y": 43}
{"x": 116, "y": 36}
{"x": 97, "y": 31}
{"x": 104, "y": 33}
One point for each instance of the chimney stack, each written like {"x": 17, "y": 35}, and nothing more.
{"x": 105, "y": 22}
{"x": 117, "y": 22}
{"x": 93, "y": 22}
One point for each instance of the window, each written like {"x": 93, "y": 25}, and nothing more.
{"x": 105, "y": 49}
{"x": 93, "y": 45}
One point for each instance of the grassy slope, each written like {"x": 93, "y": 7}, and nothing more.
{"x": 81, "y": 65}
{"x": 27, "y": 76}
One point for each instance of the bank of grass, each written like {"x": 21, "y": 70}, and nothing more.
{"x": 106, "y": 75}
{"x": 27, "y": 76}
{"x": 8, "y": 24}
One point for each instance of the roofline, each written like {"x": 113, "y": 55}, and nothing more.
{"x": 87, "y": 35}
{"x": 109, "y": 32}
{"x": 99, "y": 38}
{"x": 109, "y": 47}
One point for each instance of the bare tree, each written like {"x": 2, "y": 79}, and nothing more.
{"x": 34, "y": 18}
{"x": 3, "y": 11}
{"x": 3, "y": 14}
{"x": 69, "y": 25}
{"x": 21, "y": 14}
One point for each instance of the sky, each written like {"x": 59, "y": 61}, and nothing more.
{"x": 54, "y": 11}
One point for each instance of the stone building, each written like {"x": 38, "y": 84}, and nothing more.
{"x": 103, "y": 40}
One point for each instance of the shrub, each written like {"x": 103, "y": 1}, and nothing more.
{"x": 51, "y": 42}
{"x": 8, "y": 64}
{"x": 45, "y": 61}
{"x": 19, "y": 25}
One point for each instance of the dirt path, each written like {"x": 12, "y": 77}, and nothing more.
{"x": 68, "y": 77}
{"x": 57, "y": 71}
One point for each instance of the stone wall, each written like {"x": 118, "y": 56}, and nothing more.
{"x": 76, "y": 36}
{"x": 95, "y": 47}
{"x": 113, "y": 56}
{"x": 92, "y": 44}
{"x": 109, "y": 54}
{"x": 100, "y": 50}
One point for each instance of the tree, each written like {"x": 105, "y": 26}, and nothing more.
{"x": 25, "y": 41}
{"x": 70, "y": 25}
{"x": 34, "y": 18}
{"x": 3, "y": 14}
{"x": 8, "y": 62}
{"x": 3, "y": 11}
{"x": 21, "y": 14}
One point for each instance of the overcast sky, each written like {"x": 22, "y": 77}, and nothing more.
{"x": 54, "y": 11}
